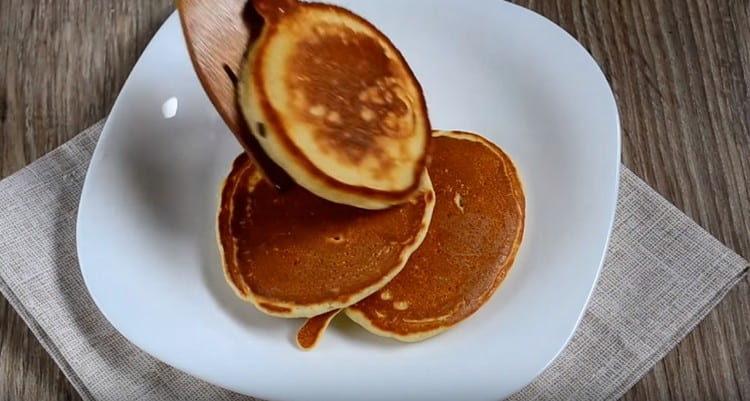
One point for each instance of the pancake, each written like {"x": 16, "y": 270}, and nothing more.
{"x": 312, "y": 331}
{"x": 334, "y": 103}
{"x": 293, "y": 254}
{"x": 473, "y": 239}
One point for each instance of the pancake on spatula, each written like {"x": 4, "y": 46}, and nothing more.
{"x": 293, "y": 254}
{"x": 473, "y": 239}
{"x": 334, "y": 103}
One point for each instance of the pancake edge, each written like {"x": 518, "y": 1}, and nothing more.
{"x": 241, "y": 293}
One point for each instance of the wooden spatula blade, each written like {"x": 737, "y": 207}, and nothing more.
{"x": 218, "y": 33}
{"x": 217, "y": 38}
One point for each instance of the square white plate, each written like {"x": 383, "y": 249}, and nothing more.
{"x": 146, "y": 222}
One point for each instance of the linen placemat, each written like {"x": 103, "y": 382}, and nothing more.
{"x": 662, "y": 275}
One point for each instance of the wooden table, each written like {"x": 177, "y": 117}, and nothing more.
{"x": 680, "y": 70}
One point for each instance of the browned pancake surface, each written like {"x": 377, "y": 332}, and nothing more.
{"x": 474, "y": 235}
{"x": 312, "y": 330}
{"x": 346, "y": 85}
{"x": 294, "y": 254}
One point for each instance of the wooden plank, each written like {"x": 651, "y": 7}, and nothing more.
{"x": 63, "y": 64}
{"x": 680, "y": 70}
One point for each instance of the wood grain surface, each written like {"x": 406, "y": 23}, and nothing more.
{"x": 680, "y": 70}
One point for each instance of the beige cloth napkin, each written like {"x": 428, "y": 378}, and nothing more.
{"x": 662, "y": 275}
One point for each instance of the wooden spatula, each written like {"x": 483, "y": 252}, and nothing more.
{"x": 218, "y": 33}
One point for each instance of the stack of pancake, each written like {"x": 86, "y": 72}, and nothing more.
{"x": 406, "y": 230}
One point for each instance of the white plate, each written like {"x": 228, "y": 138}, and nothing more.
{"x": 146, "y": 222}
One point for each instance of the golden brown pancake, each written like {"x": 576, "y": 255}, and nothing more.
{"x": 334, "y": 103}
{"x": 293, "y": 254}
{"x": 473, "y": 239}
{"x": 312, "y": 331}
